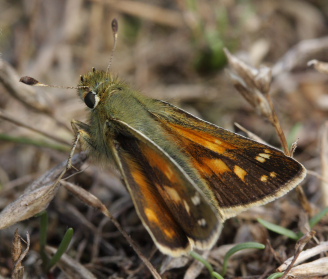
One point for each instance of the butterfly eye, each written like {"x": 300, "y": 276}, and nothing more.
{"x": 91, "y": 99}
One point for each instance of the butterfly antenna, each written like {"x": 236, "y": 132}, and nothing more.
{"x": 33, "y": 82}
{"x": 114, "y": 30}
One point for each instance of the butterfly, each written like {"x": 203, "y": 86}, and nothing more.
{"x": 186, "y": 176}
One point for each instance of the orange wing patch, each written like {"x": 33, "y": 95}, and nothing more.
{"x": 216, "y": 165}
{"x": 153, "y": 211}
{"x": 240, "y": 172}
{"x": 152, "y": 216}
{"x": 210, "y": 166}
{"x": 202, "y": 138}
{"x": 156, "y": 159}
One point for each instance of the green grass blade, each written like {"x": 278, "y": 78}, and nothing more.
{"x": 238, "y": 247}
{"x": 62, "y": 248}
{"x": 278, "y": 229}
{"x": 202, "y": 260}
{"x": 29, "y": 141}
{"x": 294, "y": 133}
{"x": 276, "y": 275}
{"x": 198, "y": 257}
{"x": 216, "y": 275}
{"x": 317, "y": 218}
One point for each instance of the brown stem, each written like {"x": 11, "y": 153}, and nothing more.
{"x": 17, "y": 122}
{"x": 276, "y": 123}
{"x": 299, "y": 248}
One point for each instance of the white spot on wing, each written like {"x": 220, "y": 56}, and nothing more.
{"x": 202, "y": 222}
{"x": 265, "y": 155}
{"x": 195, "y": 199}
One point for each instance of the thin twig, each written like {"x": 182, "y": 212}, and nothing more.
{"x": 9, "y": 118}
{"x": 276, "y": 123}
{"x": 299, "y": 248}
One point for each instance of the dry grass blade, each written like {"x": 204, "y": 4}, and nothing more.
{"x": 316, "y": 268}
{"x": 254, "y": 86}
{"x": 305, "y": 255}
{"x": 250, "y": 134}
{"x": 251, "y": 83}
{"x": 94, "y": 202}
{"x": 11, "y": 119}
{"x": 72, "y": 268}
{"x": 300, "y": 54}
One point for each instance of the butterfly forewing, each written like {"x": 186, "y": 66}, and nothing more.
{"x": 174, "y": 211}
{"x": 238, "y": 171}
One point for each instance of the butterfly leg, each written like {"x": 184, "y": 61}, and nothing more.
{"x": 80, "y": 130}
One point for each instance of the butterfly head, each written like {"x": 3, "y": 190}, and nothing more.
{"x": 95, "y": 86}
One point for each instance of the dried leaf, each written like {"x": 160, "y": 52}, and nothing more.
{"x": 37, "y": 196}
{"x": 18, "y": 255}
{"x": 28, "y": 205}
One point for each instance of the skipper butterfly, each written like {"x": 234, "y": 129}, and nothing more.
{"x": 186, "y": 176}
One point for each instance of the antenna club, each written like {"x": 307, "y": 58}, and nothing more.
{"x": 114, "y": 26}
{"x": 29, "y": 80}
{"x": 114, "y": 29}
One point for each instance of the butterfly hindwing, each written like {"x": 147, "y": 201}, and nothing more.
{"x": 174, "y": 211}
